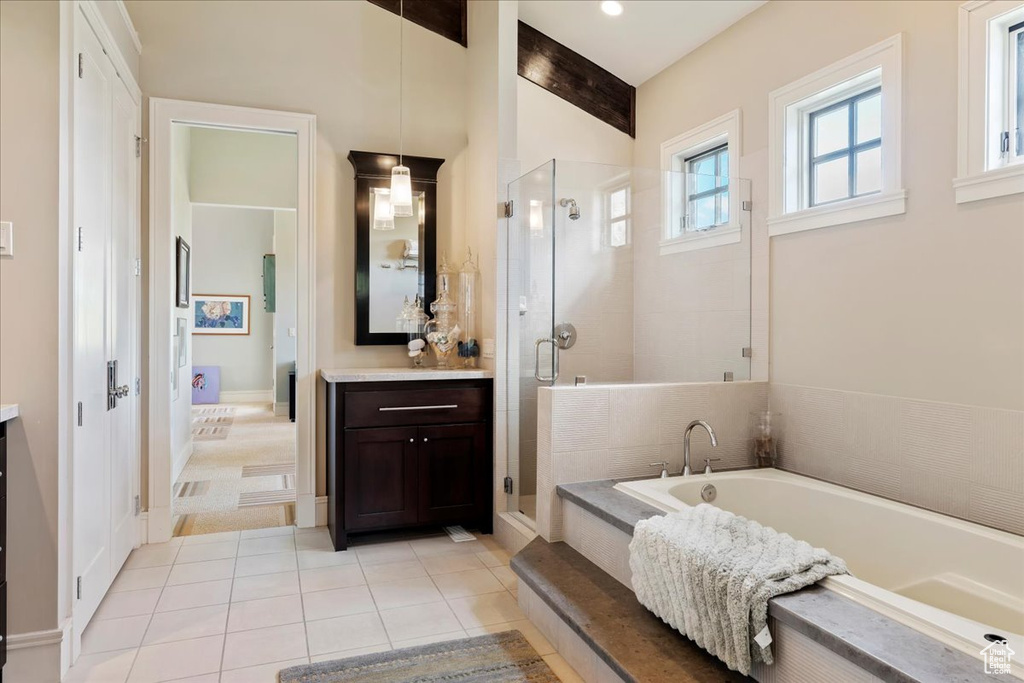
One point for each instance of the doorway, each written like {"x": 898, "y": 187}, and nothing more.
{"x": 231, "y": 408}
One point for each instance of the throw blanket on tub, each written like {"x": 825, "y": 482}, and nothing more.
{"x": 709, "y": 574}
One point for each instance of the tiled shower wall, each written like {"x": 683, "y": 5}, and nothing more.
{"x": 612, "y": 431}
{"x": 965, "y": 461}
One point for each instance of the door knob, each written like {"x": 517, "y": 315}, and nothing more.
{"x": 424, "y": 439}
{"x": 411, "y": 440}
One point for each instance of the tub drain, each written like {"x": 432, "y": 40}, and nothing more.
{"x": 708, "y": 493}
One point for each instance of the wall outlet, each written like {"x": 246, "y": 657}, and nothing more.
{"x": 6, "y": 238}
{"x": 292, "y": 332}
{"x": 487, "y": 348}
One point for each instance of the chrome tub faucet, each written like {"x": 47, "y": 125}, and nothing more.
{"x": 686, "y": 443}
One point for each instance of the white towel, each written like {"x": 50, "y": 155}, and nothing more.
{"x": 709, "y": 574}
{"x": 412, "y": 249}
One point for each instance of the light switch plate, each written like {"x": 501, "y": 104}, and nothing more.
{"x": 6, "y": 238}
{"x": 292, "y": 332}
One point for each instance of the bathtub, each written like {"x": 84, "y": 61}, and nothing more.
{"x": 950, "y": 579}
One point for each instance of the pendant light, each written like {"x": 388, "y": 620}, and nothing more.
{"x": 401, "y": 180}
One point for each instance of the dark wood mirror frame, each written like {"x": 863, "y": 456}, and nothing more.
{"x": 374, "y": 170}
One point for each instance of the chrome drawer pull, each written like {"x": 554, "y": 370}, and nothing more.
{"x": 450, "y": 406}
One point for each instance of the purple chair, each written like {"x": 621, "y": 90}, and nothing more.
{"x": 205, "y": 384}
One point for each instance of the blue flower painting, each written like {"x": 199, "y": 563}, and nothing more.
{"x": 220, "y": 314}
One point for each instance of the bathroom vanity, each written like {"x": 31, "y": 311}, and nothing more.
{"x": 7, "y": 412}
{"x": 408, "y": 448}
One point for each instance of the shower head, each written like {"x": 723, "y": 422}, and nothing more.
{"x": 574, "y": 209}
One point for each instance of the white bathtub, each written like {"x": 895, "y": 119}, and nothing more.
{"x": 953, "y": 580}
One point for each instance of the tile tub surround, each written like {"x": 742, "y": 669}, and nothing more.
{"x": 846, "y": 631}
{"x": 8, "y": 411}
{"x": 283, "y": 597}
{"x": 964, "y": 461}
{"x": 617, "y": 431}
{"x": 401, "y": 374}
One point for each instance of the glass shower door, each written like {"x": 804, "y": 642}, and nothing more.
{"x": 531, "y": 318}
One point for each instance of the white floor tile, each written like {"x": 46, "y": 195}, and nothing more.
{"x": 251, "y": 614}
{"x": 265, "y": 586}
{"x": 343, "y": 633}
{"x": 328, "y": 578}
{"x": 449, "y": 564}
{"x": 156, "y": 555}
{"x": 345, "y": 654}
{"x": 140, "y": 579}
{"x": 205, "y": 678}
{"x": 442, "y": 545}
{"x": 264, "y": 673}
{"x": 427, "y": 640}
{"x": 180, "y": 659}
{"x": 484, "y": 610}
{"x": 207, "y": 551}
{"x": 104, "y": 667}
{"x": 314, "y": 559}
{"x": 128, "y": 604}
{"x": 195, "y": 595}
{"x": 384, "y": 553}
{"x": 494, "y": 558}
{"x": 464, "y": 584}
{"x": 269, "y": 531}
{"x": 212, "y": 538}
{"x": 265, "y": 564}
{"x": 264, "y": 645}
{"x": 187, "y": 624}
{"x": 317, "y": 540}
{"x": 339, "y": 602}
{"x": 197, "y": 572}
{"x": 266, "y": 545}
{"x": 405, "y": 593}
{"x": 419, "y": 621}
{"x": 114, "y": 634}
{"x": 532, "y": 634}
{"x": 394, "y": 571}
{"x": 507, "y": 577}
{"x": 562, "y": 669}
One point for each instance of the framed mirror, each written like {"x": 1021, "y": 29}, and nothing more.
{"x": 396, "y": 257}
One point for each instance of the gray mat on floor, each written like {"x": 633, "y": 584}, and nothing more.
{"x": 499, "y": 658}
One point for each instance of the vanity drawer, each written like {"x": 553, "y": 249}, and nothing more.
{"x": 416, "y": 407}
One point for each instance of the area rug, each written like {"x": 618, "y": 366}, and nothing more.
{"x": 499, "y": 658}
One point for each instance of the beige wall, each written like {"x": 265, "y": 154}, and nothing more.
{"x": 28, "y": 306}
{"x": 243, "y": 168}
{"x": 926, "y": 305}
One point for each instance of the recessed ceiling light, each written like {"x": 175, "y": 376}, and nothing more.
{"x": 611, "y": 8}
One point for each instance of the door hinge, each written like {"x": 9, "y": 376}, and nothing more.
{"x": 727, "y": 377}
{"x": 508, "y": 485}
{"x": 748, "y": 352}
{"x": 81, "y": 67}
{"x": 747, "y": 205}
{"x": 138, "y": 267}
{"x": 79, "y": 238}
{"x": 509, "y": 209}
{"x": 1004, "y": 142}
{"x": 78, "y": 588}
{"x": 79, "y": 413}
{"x": 138, "y": 145}
{"x": 138, "y": 386}
{"x": 138, "y": 505}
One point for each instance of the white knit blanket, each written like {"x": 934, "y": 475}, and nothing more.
{"x": 709, "y": 574}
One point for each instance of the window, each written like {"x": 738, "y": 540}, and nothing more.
{"x": 707, "y": 190}
{"x": 835, "y": 143}
{"x": 617, "y": 210}
{"x": 845, "y": 148}
{"x": 699, "y": 208}
{"x": 990, "y": 161}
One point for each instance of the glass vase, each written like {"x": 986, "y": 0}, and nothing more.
{"x": 766, "y": 428}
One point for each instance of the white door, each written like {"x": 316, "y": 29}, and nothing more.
{"x": 105, "y": 452}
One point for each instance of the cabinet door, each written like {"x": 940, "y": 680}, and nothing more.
{"x": 380, "y": 477}
{"x": 452, "y": 472}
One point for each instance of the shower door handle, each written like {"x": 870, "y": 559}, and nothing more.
{"x": 554, "y": 359}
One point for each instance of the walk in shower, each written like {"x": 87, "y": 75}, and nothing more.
{"x": 621, "y": 275}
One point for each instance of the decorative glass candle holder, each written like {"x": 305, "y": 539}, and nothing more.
{"x": 411, "y": 322}
{"x": 443, "y": 331}
{"x": 766, "y": 427}
{"x": 469, "y": 275}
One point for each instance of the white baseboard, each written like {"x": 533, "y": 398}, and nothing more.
{"x": 181, "y": 459}
{"x": 143, "y": 533}
{"x": 305, "y": 510}
{"x": 260, "y": 396}
{"x": 321, "y": 510}
{"x": 159, "y": 524}
{"x": 38, "y": 655}
{"x": 281, "y": 409}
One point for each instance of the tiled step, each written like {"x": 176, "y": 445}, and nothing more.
{"x": 590, "y": 607}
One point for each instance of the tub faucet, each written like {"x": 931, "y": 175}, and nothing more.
{"x": 686, "y": 442}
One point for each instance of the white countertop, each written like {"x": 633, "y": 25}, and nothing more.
{"x": 8, "y": 411}
{"x": 400, "y": 374}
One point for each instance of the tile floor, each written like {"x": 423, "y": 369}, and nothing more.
{"x": 236, "y": 607}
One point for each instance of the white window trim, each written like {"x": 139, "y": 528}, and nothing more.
{"x": 724, "y": 129}
{"x": 784, "y": 213}
{"x": 622, "y": 182}
{"x": 977, "y": 178}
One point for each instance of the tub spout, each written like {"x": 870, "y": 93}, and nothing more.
{"x": 686, "y": 442}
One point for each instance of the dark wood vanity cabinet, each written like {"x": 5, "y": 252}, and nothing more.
{"x": 408, "y": 454}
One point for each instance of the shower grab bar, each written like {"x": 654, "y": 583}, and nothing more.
{"x": 449, "y": 406}
{"x": 554, "y": 359}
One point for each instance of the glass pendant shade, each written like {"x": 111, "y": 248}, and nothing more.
{"x": 401, "y": 191}
{"x": 383, "y": 219}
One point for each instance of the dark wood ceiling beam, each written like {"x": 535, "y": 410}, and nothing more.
{"x": 446, "y": 18}
{"x": 576, "y": 79}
